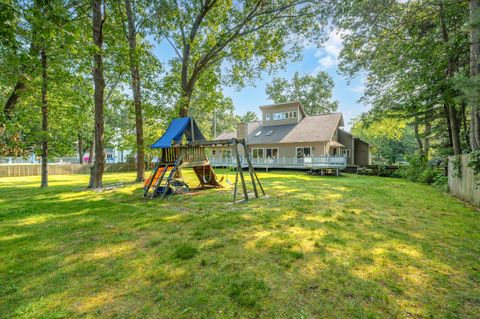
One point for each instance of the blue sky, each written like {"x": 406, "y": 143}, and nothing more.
{"x": 314, "y": 59}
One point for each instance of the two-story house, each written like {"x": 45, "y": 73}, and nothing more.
{"x": 286, "y": 132}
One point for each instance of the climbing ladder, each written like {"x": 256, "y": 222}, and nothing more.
{"x": 155, "y": 179}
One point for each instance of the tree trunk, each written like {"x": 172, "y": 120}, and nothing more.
{"x": 452, "y": 114}
{"x": 137, "y": 98}
{"x": 44, "y": 181}
{"x": 475, "y": 74}
{"x": 450, "y": 72}
{"x": 96, "y": 175}
{"x": 417, "y": 135}
{"x": 91, "y": 151}
{"x": 184, "y": 102}
{"x": 80, "y": 148}
{"x": 428, "y": 132}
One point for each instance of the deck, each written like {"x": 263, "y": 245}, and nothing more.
{"x": 315, "y": 163}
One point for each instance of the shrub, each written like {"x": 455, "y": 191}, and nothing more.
{"x": 418, "y": 170}
{"x": 414, "y": 169}
{"x": 427, "y": 176}
{"x": 440, "y": 182}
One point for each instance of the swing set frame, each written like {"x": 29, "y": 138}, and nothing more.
{"x": 239, "y": 174}
{"x": 193, "y": 155}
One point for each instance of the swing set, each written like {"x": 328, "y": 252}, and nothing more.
{"x": 166, "y": 179}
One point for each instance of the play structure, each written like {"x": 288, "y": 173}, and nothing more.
{"x": 184, "y": 146}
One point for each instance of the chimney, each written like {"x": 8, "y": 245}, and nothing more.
{"x": 242, "y": 131}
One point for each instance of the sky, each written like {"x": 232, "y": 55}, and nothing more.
{"x": 346, "y": 91}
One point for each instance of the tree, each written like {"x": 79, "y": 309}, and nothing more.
{"x": 412, "y": 53}
{"x": 248, "y": 117}
{"x": 474, "y": 88}
{"x": 233, "y": 41}
{"x": 98, "y": 19}
{"x": 137, "y": 99}
{"x": 313, "y": 92}
{"x": 390, "y": 139}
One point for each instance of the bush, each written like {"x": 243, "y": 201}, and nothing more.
{"x": 418, "y": 170}
{"x": 427, "y": 176}
{"x": 440, "y": 182}
{"x": 414, "y": 169}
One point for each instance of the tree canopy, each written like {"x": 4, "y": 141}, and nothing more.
{"x": 314, "y": 92}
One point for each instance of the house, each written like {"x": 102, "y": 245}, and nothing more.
{"x": 287, "y": 137}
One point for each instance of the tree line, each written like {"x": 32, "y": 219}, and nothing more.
{"x": 90, "y": 73}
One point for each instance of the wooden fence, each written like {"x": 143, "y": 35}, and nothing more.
{"x": 12, "y": 170}
{"x": 462, "y": 186}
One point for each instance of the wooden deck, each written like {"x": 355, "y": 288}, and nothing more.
{"x": 315, "y": 163}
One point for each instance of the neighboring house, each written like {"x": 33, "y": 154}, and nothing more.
{"x": 286, "y": 132}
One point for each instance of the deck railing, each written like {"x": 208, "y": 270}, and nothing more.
{"x": 320, "y": 162}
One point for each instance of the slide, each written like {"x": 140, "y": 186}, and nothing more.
{"x": 206, "y": 176}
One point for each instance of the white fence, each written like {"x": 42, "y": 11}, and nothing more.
{"x": 321, "y": 162}
{"x": 462, "y": 185}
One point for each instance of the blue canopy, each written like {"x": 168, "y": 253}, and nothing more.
{"x": 175, "y": 131}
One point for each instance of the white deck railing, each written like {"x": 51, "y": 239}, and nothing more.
{"x": 334, "y": 162}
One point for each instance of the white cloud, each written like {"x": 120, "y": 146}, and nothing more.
{"x": 327, "y": 61}
{"x": 328, "y": 54}
{"x": 358, "y": 89}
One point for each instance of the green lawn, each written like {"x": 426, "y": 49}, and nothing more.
{"x": 339, "y": 247}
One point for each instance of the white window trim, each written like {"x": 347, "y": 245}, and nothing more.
{"x": 264, "y": 151}
{"x": 296, "y": 150}
{"x": 347, "y": 152}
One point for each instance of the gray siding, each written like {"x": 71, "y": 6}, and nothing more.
{"x": 362, "y": 153}
{"x": 346, "y": 139}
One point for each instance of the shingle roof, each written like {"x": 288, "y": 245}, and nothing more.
{"x": 317, "y": 128}
{"x": 226, "y": 136}
{"x": 229, "y": 135}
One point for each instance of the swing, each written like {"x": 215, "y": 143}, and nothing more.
{"x": 226, "y": 176}
{"x": 205, "y": 181}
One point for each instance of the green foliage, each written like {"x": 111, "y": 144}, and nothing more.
{"x": 440, "y": 182}
{"x": 418, "y": 170}
{"x": 390, "y": 139}
{"x": 410, "y": 55}
{"x": 313, "y": 92}
{"x": 457, "y": 166}
{"x": 474, "y": 164}
{"x": 185, "y": 251}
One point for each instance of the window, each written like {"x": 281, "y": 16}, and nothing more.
{"x": 267, "y": 116}
{"x": 214, "y": 152}
{"x": 269, "y": 133}
{"x": 258, "y": 133}
{"x": 304, "y": 152}
{"x": 271, "y": 152}
{"x": 226, "y": 153}
{"x": 281, "y": 116}
{"x": 265, "y": 153}
{"x": 347, "y": 152}
{"x": 257, "y": 153}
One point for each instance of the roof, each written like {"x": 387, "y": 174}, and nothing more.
{"x": 229, "y": 135}
{"x": 319, "y": 128}
{"x": 175, "y": 131}
{"x": 292, "y": 103}
{"x": 335, "y": 144}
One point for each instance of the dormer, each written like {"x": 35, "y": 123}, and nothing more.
{"x": 282, "y": 113}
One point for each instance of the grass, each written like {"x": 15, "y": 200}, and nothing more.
{"x": 317, "y": 247}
